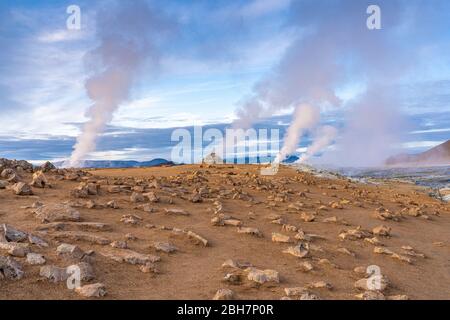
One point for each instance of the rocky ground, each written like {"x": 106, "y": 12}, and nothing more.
{"x": 223, "y": 232}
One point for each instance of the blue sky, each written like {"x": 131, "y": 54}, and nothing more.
{"x": 210, "y": 61}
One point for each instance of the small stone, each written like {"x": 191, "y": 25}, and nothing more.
{"x": 372, "y": 284}
{"x": 380, "y": 250}
{"x": 263, "y": 276}
{"x": 360, "y": 270}
{"x": 149, "y": 267}
{"x": 165, "y": 247}
{"x": 131, "y": 219}
{"x": 12, "y": 234}
{"x": 151, "y": 196}
{"x": 296, "y": 291}
{"x": 278, "y": 237}
{"x": 95, "y": 290}
{"x": 70, "y": 250}
{"x": 346, "y": 251}
{"x": 178, "y": 212}
{"x": 307, "y": 217}
{"x": 10, "y": 268}
{"x": 306, "y": 266}
{"x": 223, "y": 294}
{"x": 35, "y": 259}
{"x": 300, "y": 251}
{"x": 398, "y": 297}
{"x": 37, "y": 241}
{"x": 119, "y": 244}
{"x": 374, "y": 241}
{"x": 371, "y": 295}
{"x": 197, "y": 238}
{"x": 53, "y": 273}
{"x": 309, "y": 296}
{"x": 320, "y": 285}
{"x": 249, "y": 230}
{"x": 233, "y": 278}
{"x": 382, "y": 231}
{"x": 15, "y": 249}
{"x": 137, "y": 197}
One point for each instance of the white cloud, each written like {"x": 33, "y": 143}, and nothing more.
{"x": 421, "y": 144}
{"x": 61, "y": 35}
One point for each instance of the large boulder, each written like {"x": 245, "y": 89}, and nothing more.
{"x": 47, "y": 166}
{"x": 10, "y": 268}
{"x": 39, "y": 180}
{"x": 56, "y": 213}
{"x": 22, "y": 189}
{"x": 10, "y": 175}
{"x": 12, "y": 234}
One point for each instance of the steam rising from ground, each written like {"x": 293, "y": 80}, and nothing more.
{"x": 323, "y": 137}
{"x": 305, "y": 118}
{"x": 128, "y": 34}
{"x": 334, "y": 45}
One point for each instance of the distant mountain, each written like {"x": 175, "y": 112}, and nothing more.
{"x": 122, "y": 163}
{"x": 291, "y": 159}
{"x": 439, "y": 155}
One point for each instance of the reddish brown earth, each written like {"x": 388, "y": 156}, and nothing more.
{"x": 195, "y": 271}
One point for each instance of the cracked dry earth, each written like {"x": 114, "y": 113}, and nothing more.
{"x": 223, "y": 232}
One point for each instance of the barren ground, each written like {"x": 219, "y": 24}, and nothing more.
{"x": 195, "y": 271}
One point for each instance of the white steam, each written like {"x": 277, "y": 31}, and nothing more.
{"x": 333, "y": 48}
{"x": 127, "y": 34}
{"x": 323, "y": 137}
{"x": 305, "y": 118}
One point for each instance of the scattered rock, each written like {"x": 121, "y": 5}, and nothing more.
{"x": 300, "y": 251}
{"x": 131, "y": 219}
{"x": 70, "y": 251}
{"x": 165, "y": 247}
{"x": 179, "y": 212}
{"x": 15, "y": 249}
{"x": 137, "y": 197}
{"x": 249, "y": 230}
{"x": 95, "y": 290}
{"x": 119, "y": 244}
{"x": 10, "y": 268}
{"x": 12, "y": 234}
{"x": 22, "y": 189}
{"x": 35, "y": 259}
{"x": 382, "y": 231}
{"x": 56, "y": 212}
{"x": 278, "y": 237}
{"x": 39, "y": 180}
{"x": 53, "y": 273}
{"x": 197, "y": 238}
{"x": 262, "y": 276}
{"x": 223, "y": 294}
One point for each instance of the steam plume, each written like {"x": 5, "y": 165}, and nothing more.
{"x": 333, "y": 45}
{"x": 128, "y": 37}
{"x": 323, "y": 137}
{"x": 305, "y": 118}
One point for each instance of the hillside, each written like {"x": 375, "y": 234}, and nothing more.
{"x": 439, "y": 155}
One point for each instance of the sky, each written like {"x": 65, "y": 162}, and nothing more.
{"x": 211, "y": 55}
